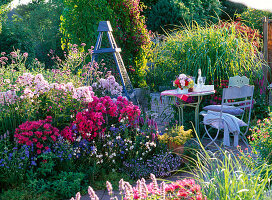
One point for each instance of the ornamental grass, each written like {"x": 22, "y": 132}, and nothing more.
{"x": 219, "y": 51}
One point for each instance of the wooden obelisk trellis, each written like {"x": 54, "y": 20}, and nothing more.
{"x": 105, "y": 26}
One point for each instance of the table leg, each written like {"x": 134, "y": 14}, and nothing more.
{"x": 199, "y": 99}
{"x": 180, "y": 113}
{"x": 179, "y": 121}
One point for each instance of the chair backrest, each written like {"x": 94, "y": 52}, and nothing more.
{"x": 241, "y": 97}
{"x": 238, "y": 92}
{"x": 238, "y": 81}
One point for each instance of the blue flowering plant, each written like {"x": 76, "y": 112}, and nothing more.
{"x": 14, "y": 162}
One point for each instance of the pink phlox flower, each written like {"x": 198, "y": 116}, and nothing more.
{"x": 27, "y": 93}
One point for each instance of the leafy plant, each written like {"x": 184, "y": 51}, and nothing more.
{"x": 166, "y": 14}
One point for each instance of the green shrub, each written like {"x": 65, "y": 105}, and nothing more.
{"x": 63, "y": 185}
{"x": 254, "y": 18}
{"x": 80, "y": 21}
{"x": 167, "y": 14}
{"x": 218, "y": 52}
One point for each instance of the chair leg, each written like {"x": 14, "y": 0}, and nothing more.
{"x": 236, "y": 139}
{"x": 213, "y": 139}
{"x": 244, "y": 139}
{"x": 206, "y": 133}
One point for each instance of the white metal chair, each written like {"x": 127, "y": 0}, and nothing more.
{"x": 240, "y": 97}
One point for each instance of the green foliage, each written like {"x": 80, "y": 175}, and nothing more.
{"x": 80, "y": 19}
{"x": 4, "y": 2}
{"x": 166, "y": 14}
{"x": 218, "y": 52}
{"x": 230, "y": 9}
{"x": 25, "y": 193}
{"x": 3, "y": 10}
{"x": 2, "y": 15}
{"x": 254, "y": 18}
{"x": 63, "y": 185}
{"x": 41, "y": 20}
{"x": 16, "y": 36}
{"x": 79, "y": 24}
{"x": 149, "y": 3}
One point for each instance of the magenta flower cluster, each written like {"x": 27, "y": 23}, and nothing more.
{"x": 41, "y": 134}
{"x": 100, "y": 114}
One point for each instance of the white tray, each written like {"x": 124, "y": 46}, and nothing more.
{"x": 203, "y": 88}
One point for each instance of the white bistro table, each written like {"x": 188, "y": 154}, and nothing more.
{"x": 181, "y": 104}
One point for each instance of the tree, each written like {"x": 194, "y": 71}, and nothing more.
{"x": 167, "y": 14}
{"x": 42, "y": 19}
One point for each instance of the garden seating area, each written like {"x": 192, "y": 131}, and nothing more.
{"x": 164, "y": 106}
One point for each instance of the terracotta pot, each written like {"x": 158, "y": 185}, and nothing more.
{"x": 179, "y": 149}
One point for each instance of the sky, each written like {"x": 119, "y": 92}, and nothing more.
{"x": 258, "y": 4}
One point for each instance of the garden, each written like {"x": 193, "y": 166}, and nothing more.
{"x": 68, "y": 131}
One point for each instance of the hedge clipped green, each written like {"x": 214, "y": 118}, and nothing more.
{"x": 218, "y": 52}
{"x": 167, "y": 13}
{"x": 80, "y": 20}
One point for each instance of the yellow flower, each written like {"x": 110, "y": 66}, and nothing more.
{"x": 176, "y": 134}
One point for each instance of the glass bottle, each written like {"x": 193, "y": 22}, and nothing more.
{"x": 199, "y": 79}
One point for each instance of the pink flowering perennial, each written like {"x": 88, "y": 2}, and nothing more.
{"x": 185, "y": 189}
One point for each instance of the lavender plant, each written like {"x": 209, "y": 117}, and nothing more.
{"x": 160, "y": 165}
